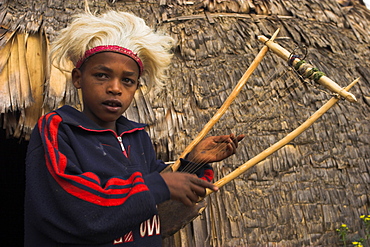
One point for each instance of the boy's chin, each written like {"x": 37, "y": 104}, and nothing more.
{"x": 111, "y": 119}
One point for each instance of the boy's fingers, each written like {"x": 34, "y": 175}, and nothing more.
{"x": 235, "y": 141}
{"x": 237, "y": 138}
{"x": 204, "y": 184}
{"x": 187, "y": 201}
{"x": 240, "y": 137}
{"x": 198, "y": 191}
{"x": 192, "y": 197}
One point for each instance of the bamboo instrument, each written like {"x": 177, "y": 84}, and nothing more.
{"x": 307, "y": 70}
{"x": 275, "y": 147}
{"x": 225, "y": 105}
{"x": 171, "y": 207}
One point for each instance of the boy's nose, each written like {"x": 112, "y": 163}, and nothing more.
{"x": 114, "y": 87}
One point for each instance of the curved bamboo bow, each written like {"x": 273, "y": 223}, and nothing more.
{"x": 275, "y": 147}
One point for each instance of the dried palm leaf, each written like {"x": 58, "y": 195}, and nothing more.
{"x": 14, "y": 77}
{"x": 9, "y": 123}
{"x": 5, "y": 102}
{"x": 24, "y": 83}
{"x": 5, "y": 99}
{"x": 19, "y": 124}
{"x": 35, "y": 58}
{"x": 55, "y": 87}
{"x": 26, "y": 94}
{"x": 5, "y": 50}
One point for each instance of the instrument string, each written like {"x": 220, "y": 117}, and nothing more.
{"x": 193, "y": 166}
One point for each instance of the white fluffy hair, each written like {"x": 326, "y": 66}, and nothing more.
{"x": 114, "y": 28}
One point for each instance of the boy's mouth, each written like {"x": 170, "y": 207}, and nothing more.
{"x": 112, "y": 103}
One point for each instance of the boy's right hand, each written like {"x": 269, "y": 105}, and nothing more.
{"x": 186, "y": 188}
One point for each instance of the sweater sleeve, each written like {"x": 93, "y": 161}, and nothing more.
{"x": 70, "y": 205}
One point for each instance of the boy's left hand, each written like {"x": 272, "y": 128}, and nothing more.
{"x": 215, "y": 148}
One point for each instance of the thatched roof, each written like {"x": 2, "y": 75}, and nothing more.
{"x": 299, "y": 195}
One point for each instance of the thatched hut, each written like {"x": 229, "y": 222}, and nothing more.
{"x": 298, "y": 196}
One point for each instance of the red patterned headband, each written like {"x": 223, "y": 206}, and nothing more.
{"x": 112, "y": 48}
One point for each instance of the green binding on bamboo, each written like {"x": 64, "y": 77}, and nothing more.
{"x": 307, "y": 70}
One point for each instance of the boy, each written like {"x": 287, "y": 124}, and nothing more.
{"x": 92, "y": 178}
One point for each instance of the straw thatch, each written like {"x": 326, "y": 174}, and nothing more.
{"x": 296, "y": 197}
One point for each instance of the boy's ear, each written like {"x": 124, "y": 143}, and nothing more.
{"x": 76, "y": 77}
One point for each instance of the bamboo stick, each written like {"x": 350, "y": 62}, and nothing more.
{"x": 226, "y": 104}
{"x": 324, "y": 80}
{"x": 267, "y": 152}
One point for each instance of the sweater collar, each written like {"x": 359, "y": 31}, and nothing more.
{"x": 74, "y": 117}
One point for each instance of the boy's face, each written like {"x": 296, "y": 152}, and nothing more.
{"x": 108, "y": 82}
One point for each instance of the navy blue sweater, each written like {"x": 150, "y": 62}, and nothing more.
{"x": 88, "y": 186}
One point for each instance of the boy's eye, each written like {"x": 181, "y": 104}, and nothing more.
{"x": 101, "y": 75}
{"x": 128, "y": 81}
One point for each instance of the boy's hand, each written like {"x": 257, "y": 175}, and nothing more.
{"x": 186, "y": 188}
{"x": 215, "y": 148}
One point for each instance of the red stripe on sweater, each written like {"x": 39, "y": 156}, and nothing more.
{"x": 74, "y": 184}
{"x": 208, "y": 175}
